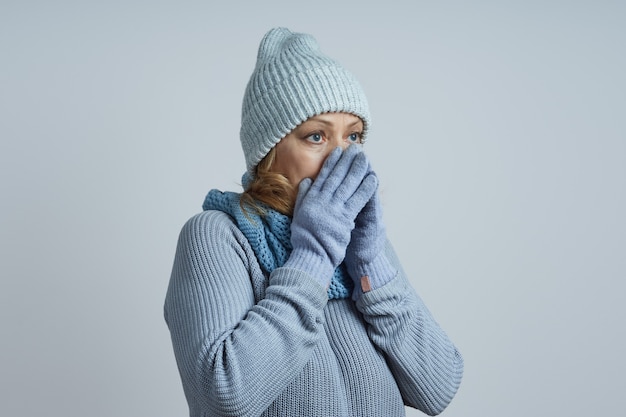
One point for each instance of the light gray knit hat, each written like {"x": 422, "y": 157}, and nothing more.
{"x": 293, "y": 81}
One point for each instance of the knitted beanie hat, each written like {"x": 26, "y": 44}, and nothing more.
{"x": 293, "y": 81}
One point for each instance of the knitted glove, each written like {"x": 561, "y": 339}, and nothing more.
{"x": 365, "y": 256}
{"x": 324, "y": 214}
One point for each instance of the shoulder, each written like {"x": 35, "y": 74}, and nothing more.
{"x": 210, "y": 244}
{"x": 211, "y": 228}
{"x": 212, "y": 221}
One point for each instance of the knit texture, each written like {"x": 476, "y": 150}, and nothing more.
{"x": 365, "y": 253}
{"x": 270, "y": 237}
{"x": 247, "y": 346}
{"x": 291, "y": 82}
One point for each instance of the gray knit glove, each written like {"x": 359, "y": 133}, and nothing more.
{"x": 365, "y": 255}
{"x": 325, "y": 210}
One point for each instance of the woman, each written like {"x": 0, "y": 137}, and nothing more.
{"x": 287, "y": 300}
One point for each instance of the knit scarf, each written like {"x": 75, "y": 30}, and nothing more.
{"x": 269, "y": 235}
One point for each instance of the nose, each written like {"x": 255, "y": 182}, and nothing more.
{"x": 337, "y": 140}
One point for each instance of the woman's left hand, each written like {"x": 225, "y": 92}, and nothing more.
{"x": 365, "y": 255}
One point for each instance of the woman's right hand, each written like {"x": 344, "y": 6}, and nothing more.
{"x": 325, "y": 212}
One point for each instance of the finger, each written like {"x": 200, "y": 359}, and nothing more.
{"x": 363, "y": 194}
{"x": 341, "y": 169}
{"x": 371, "y": 211}
{"x": 303, "y": 188}
{"x": 369, "y": 167}
{"x": 327, "y": 167}
{"x": 353, "y": 177}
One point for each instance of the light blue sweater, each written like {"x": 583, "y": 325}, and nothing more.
{"x": 251, "y": 345}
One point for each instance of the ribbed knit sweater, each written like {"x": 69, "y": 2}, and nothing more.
{"x": 248, "y": 344}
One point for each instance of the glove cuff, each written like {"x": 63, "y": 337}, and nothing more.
{"x": 372, "y": 275}
{"x": 318, "y": 267}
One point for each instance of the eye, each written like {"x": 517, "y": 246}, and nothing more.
{"x": 355, "y": 137}
{"x": 315, "y": 138}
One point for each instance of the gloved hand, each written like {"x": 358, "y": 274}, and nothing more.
{"x": 365, "y": 256}
{"x": 325, "y": 210}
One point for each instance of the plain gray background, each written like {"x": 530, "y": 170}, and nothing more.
{"x": 499, "y": 135}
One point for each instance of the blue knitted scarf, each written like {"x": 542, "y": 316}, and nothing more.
{"x": 270, "y": 237}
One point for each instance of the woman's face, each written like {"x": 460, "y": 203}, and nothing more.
{"x": 302, "y": 152}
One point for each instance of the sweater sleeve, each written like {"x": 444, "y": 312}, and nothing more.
{"x": 427, "y": 366}
{"x": 221, "y": 337}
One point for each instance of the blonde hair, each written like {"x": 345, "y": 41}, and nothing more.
{"x": 269, "y": 188}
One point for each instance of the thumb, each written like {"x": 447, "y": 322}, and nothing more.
{"x": 303, "y": 188}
